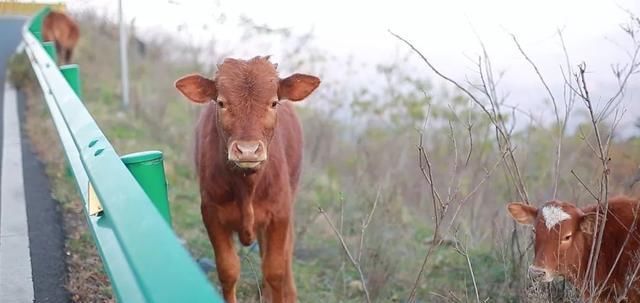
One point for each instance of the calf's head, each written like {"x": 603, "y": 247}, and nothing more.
{"x": 563, "y": 236}
{"x": 246, "y": 95}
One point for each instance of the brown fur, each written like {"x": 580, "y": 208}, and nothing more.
{"x": 257, "y": 200}
{"x": 564, "y": 249}
{"x": 63, "y": 31}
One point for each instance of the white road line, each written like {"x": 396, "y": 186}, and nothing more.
{"x": 16, "y": 282}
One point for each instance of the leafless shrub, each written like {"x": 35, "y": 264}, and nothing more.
{"x": 356, "y": 261}
{"x": 491, "y": 104}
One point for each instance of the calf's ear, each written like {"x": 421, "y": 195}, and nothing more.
{"x": 297, "y": 87}
{"x": 588, "y": 222}
{"x": 197, "y": 88}
{"x": 522, "y": 213}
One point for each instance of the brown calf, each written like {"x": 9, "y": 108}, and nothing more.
{"x": 248, "y": 156}
{"x": 63, "y": 31}
{"x": 564, "y": 235}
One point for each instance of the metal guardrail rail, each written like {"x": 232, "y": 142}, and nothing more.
{"x": 140, "y": 252}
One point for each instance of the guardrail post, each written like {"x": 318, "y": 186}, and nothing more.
{"x": 50, "y": 47}
{"x": 36, "y": 23}
{"x": 71, "y": 73}
{"x": 148, "y": 169}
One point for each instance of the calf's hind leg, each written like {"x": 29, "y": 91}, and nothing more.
{"x": 68, "y": 52}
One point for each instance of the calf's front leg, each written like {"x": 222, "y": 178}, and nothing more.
{"x": 227, "y": 260}
{"x": 276, "y": 261}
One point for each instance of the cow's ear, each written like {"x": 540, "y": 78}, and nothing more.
{"x": 197, "y": 88}
{"x": 522, "y": 213}
{"x": 588, "y": 222}
{"x": 297, "y": 87}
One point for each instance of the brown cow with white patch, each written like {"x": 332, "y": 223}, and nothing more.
{"x": 63, "y": 31}
{"x": 248, "y": 155}
{"x": 564, "y": 235}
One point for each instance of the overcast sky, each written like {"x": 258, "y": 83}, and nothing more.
{"x": 446, "y": 31}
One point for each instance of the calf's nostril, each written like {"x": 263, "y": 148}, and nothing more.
{"x": 236, "y": 149}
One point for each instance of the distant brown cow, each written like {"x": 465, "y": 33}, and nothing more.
{"x": 63, "y": 31}
{"x": 564, "y": 235}
{"x": 248, "y": 156}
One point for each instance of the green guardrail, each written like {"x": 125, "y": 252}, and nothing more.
{"x": 125, "y": 197}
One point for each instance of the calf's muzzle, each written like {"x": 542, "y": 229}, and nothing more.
{"x": 538, "y": 274}
{"x": 247, "y": 154}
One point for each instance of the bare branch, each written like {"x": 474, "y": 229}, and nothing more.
{"x": 584, "y": 185}
{"x": 353, "y": 261}
{"x": 365, "y": 223}
{"x": 464, "y": 251}
{"x": 540, "y": 77}
{"x": 255, "y": 275}
{"x": 560, "y": 122}
{"x": 502, "y": 134}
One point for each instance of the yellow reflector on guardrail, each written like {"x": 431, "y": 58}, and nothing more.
{"x": 17, "y": 8}
{"x": 95, "y": 207}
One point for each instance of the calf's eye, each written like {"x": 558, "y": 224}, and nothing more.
{"x": 220, "y": 104}
{"x": 566, "y": 238}
{"x": 274, "y": 104}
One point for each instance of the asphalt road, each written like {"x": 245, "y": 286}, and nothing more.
{"x": 45, "y": 233}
